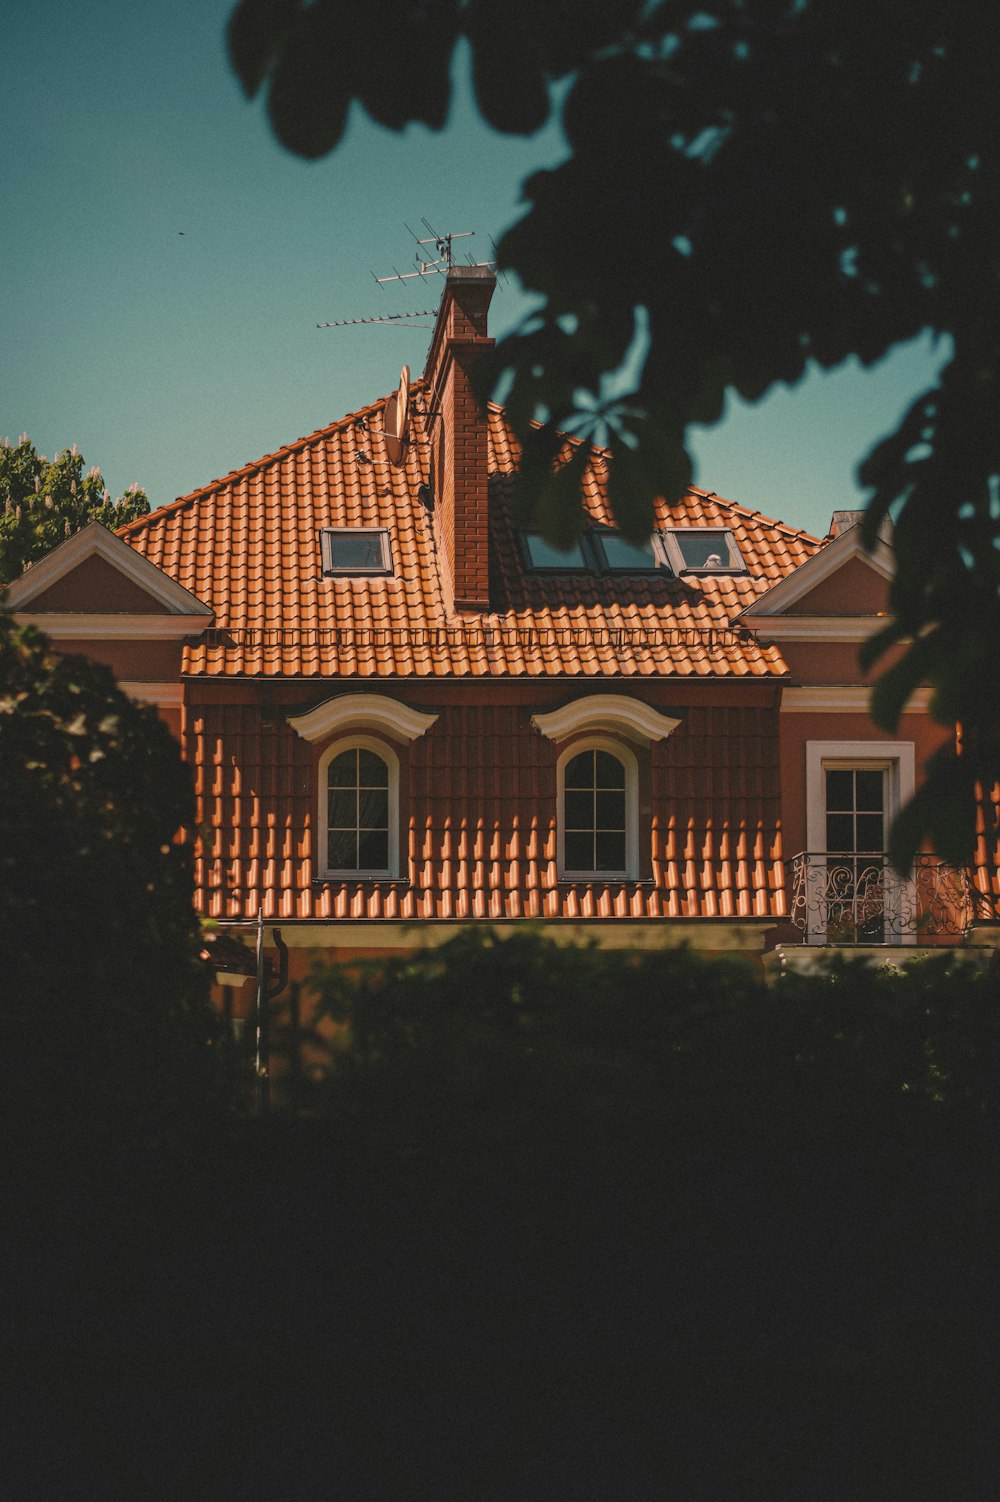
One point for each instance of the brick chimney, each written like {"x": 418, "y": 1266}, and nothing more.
{"x": 460, "y": 460}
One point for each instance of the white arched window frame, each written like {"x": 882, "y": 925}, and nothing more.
{"x": 387, "y": 755}
{"x": 626, "y": 759}
{"x": 353, "y": 722}
{"x": 617, "y": 724}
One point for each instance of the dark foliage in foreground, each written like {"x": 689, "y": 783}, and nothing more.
{"x": 560, "y": 1224}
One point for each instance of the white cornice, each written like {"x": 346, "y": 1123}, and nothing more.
{"x": 816, "y": 627}
{"x": 844, "y": 698}
{"x": 362, "y": 711}
{"x": 84, "y": 626}
{"x": 163, "y": 695}
{"x": 830, "y": 558}
{"x": 93, "y": 539}
{"x": 610, "y": 712}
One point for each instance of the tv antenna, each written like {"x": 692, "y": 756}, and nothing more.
{"x": 402, "y": 319}
{"x": 437, "y": 265}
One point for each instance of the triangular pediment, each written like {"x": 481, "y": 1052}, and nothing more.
{"x": 96, "y": 573}
{"x": 842, "y": 581}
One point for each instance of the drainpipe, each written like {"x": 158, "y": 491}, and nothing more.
{"x": 262, "y": 1060}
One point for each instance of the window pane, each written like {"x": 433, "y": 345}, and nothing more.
{"x": 870, "y": 832}
{"x": 580, "y": 772}
{"x": 839, "y": 832}
{"x": 343, "y": 771}
{"x": 579, "y": 810}
{"x": 372, "y": 770}
{"x": 578, "y": 850}
{"x": 357, "y": 550}
{"x": 542, "y": 554}
{"x": 617, "y": 553}
{"x": 610, "y": 810}
{"x": 703, "y": 549}
{"x": 342, "y": 850}
{"x": 840, "y": 791}
{"x": 870, "y": 782}
{"x": 373, "y": 850}
{"x": 342, "y": 809}
{"x": 608, "y": 770}
{"x": 373, "y": 808}
{"x": 610, "y": 851}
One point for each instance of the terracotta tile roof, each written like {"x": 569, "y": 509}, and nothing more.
{"x": 248, "y": 546}
{"x": 480, "y": 841}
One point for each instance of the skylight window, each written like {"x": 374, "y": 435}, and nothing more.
{"x": 600, "y": 550}
{"x": 703, "y": 550}
{"x": 355, "y": 550}
{"x": 539, "y": 554}
{"x": 617, "y": 555}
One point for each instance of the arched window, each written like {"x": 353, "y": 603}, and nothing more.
{"x": 359, "y": 801}
{"x": 597, "y": 781}
{"x": 357, "y": 819}
{"x": 598, "y": 799}
{"x": 594, "y": 819}
{"x": 357, "y": 831}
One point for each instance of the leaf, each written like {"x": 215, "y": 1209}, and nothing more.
{"x": 941, "y": 813}
{"x": 895, "y": 688}
{"x": 255, "y": 35}
{"x": 310, "y": 91}
{"x": 508, "y": 70}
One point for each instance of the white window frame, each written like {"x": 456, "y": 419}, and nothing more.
{"x": 388, "y": 755}
{"x": 626, "y": 756}
{"x": 898, "y": 760}
{"x": 670, "y": 537}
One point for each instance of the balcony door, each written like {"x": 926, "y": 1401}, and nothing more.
{"x": 854, "y": 790}
{"x": 858, "y": 884}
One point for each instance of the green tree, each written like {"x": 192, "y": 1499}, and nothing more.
{"x": 751, "y": 186}
{"x": 104, "y": 1019}
{"x": 43, "y": 501}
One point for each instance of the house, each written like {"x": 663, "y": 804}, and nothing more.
{"x": 405, "y": 714}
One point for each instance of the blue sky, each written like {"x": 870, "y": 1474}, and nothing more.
{"x": 165, "y": 263}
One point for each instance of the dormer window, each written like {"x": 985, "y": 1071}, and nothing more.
{"x": 357, "y": 551}
{"x": 703, "y": 550}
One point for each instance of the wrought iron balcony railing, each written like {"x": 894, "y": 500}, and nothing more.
{"x": 859, "y": 899}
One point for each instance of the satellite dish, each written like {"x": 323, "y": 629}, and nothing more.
{"x": 395, "y": 418}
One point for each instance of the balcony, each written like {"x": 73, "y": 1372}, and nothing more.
{"x": 860, "y": 901}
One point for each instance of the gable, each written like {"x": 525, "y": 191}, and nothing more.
{"x": 95, "y": 573}
{"x": 96, "y": 586}
{"x": 856, "y": 588}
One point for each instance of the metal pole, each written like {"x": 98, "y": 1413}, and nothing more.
{"x": 262, "y": 1059}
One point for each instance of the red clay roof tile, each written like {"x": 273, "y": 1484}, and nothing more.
{"x": 248, "y": 546}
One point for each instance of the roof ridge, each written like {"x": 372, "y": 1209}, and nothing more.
{"x": 749, "y": 511}
{"x": 295, "y": 446}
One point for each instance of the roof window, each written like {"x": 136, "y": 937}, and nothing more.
{"x": 355, "y": 550}
{"x": 618, "y": 555}
{"x": 544, "y": 556}
{"x": 600, "y": 550}
{"x": 703, "y": 550}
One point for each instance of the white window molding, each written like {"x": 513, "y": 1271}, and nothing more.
{"x": 897, "y": 759}
{"x": 385, "y": 752}
{"x": 376, "y": 712}
{"x": 899, "y": 756}
{"x": 625, "y": 756}
{"x": 614, "y": 714}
